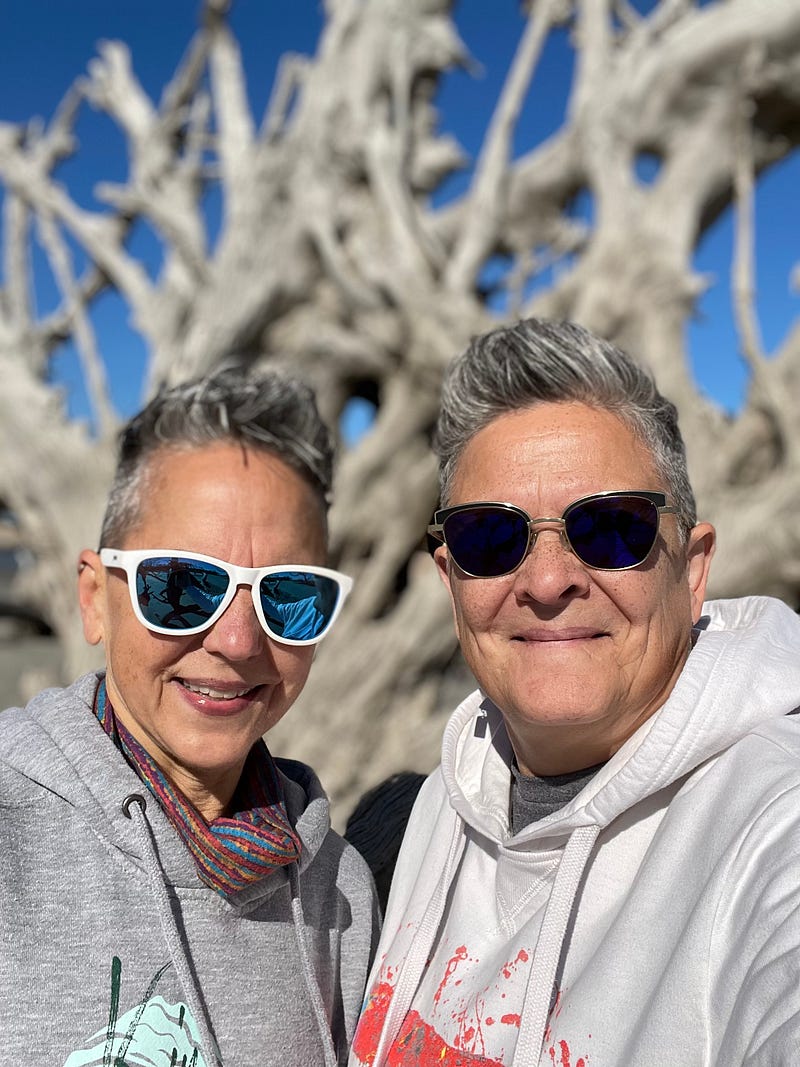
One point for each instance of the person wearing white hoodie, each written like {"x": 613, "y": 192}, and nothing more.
{"x": 604, "y": 871}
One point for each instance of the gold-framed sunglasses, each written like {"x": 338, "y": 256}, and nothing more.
{"x": 611, "y": 531}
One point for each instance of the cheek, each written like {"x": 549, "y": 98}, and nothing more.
{"x": 293, "y": 665}
{"x": 640, "y": 596}
{"x": 638, "y": 603}
{"x": 475, "y": 605}
{"x": 657, "y": 610}
{"x": 137, "y": 654}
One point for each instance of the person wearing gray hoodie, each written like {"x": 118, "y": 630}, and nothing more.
{"x": 170, "y": 892}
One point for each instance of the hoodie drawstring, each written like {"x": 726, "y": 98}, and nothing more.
{"x": 312, "y": 988}
{"x": 536, "y": 1005}
{"x": 134, "y": 807}
{"x": 417, "y": 956}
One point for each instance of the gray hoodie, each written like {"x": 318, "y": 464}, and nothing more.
{"x": 112, "y": 951}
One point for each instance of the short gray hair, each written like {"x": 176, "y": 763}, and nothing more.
{"x": 536, "y": 361}
{"x": 266, "y": 410}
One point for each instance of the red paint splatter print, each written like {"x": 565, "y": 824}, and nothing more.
{"x": 420, "y": 1046}
{"x": 562, "y": 1057}
{"x": 450, "y": 970}
{"x": 508, "y": 970}
{"x": 368, "y": 1032}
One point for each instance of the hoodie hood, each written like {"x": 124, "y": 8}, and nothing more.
{"x": 707, "y": 711}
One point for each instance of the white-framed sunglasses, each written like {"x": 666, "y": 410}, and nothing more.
{"x": 183, "y": 593}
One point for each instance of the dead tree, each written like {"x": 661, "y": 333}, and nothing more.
{"x": 330, "y": 258}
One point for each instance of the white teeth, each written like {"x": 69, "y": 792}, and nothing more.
{"x": 215, "y": 694}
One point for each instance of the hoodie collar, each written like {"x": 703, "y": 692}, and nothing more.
{"x": 74, "y": 759}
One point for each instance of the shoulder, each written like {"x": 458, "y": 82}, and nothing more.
{"x": 765, "y": 761}
{"x": 51, "y": 706}
{"x": 751, "y": 770}
{"x": 744, "y": 803}
{"x": 766, "y": 765}
{"x": 337, "y": 886}
{"x": 782, "y": 736}
{"x": 39, "y": 740}
{"x": 760, "y": 896}
{"x": 351, "y": 871}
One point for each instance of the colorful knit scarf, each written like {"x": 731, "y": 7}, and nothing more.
{"x": 230, "y": 853}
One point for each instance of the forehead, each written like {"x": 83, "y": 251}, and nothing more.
{"x": 223, "y": 493}
{"x": 557, "y": 451}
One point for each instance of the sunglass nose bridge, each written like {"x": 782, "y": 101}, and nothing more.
{"x": 541, "y": 525}
{"x": 548, "y": 521}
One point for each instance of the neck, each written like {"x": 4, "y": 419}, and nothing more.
{"x": 211, "y": 798}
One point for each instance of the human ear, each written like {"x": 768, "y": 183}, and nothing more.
{"x": 91, "y": 595}
{"x": 699, "y": 552}
{"x": 440, "y": 558}
{"x": 442, "y": 561}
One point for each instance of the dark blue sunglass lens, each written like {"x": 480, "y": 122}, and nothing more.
{"x": 613, "y": 532}
{"x": 179, "y": 594}
{"x": 298, "y": 605}
{"x": 486, "y": 542}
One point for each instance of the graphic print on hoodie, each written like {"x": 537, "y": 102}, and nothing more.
{"x": 152, "y": 1032}
{"x": 467, "y": 1021}
{"x": 420, "y": 1042}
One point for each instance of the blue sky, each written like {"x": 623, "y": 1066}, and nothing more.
{"x": 45, "y": 45}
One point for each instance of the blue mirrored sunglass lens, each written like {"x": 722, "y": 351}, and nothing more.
{"x": 178, "y": 594}
{"x": 486, "y": 542}
{"x": 298, "y": 605}
{"x": 613, "y": 532}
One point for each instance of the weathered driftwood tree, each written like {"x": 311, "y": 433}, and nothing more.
{"x": 330, "y": 257}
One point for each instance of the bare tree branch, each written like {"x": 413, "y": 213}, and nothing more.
{"x": 83, "y": 331}
{"x": 332, "y": 257}
{"x": 488, "y": 193}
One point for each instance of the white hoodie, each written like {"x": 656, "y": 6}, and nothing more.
{"x": 654, "y": 921}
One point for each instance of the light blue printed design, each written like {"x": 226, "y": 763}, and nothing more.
{"x": 152, "y": 1034}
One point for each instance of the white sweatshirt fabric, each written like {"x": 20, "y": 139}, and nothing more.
{"x": 654, "y": 921}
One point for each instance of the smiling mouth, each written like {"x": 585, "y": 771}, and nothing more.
{"x": 561, "y": 636}
{"x": 217, "y": 694}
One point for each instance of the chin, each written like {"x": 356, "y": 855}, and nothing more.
{"x": 555, "y": 707}
{"x": 559, "y": 717}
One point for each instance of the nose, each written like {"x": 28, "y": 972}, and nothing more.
{"x": 237, "y": 634}
{"x": 551, "y": 572}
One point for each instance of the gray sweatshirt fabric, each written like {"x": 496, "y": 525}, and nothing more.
{"x": 112, "y": 951}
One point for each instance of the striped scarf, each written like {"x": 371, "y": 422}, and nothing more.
{"x": 230, "y": 853}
